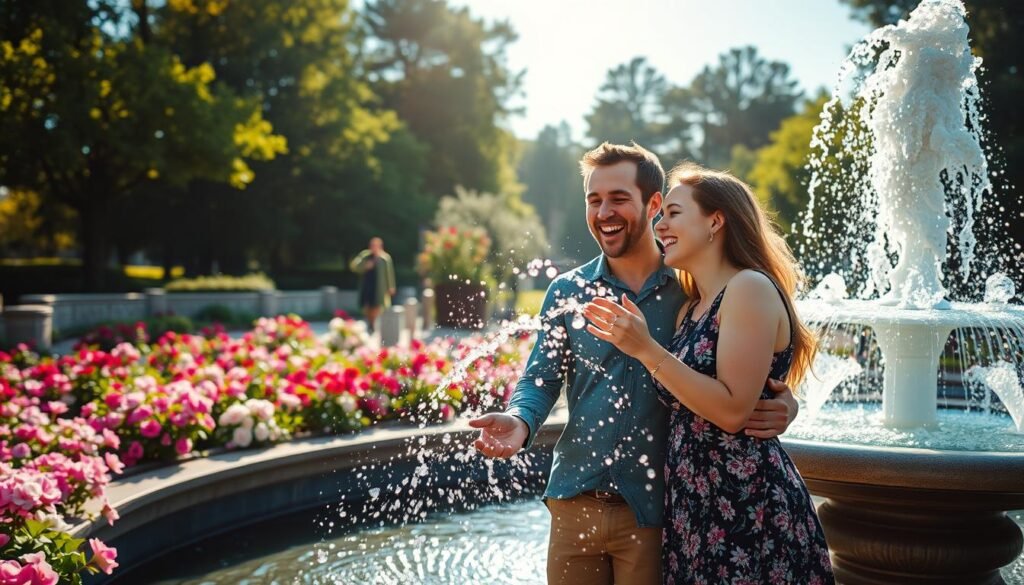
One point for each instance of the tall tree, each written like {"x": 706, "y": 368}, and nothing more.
{"x": 91, "y": 111}
{"x": 780, "y": 174}
{"x": 629, "y": 105}
{"x": 348, "y": 153}
{"x": 446, "y": 75}
{"x": 549, "y": 170}
{"x": 737, "y": 102}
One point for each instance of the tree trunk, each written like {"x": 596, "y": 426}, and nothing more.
{"x": 168, "y": 257}
{"x": 95, "y": 243}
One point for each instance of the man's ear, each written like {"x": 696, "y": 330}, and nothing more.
{"x": 654, "y": 206}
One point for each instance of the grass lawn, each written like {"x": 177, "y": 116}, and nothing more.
{"x": 529, "y": 301}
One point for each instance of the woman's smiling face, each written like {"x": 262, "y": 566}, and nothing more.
{"x": 683, "y": 228}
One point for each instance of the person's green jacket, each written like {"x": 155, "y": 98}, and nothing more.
{"x": 385, "y": 276}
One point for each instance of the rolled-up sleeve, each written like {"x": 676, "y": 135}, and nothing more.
{"x": 548, "y": 369}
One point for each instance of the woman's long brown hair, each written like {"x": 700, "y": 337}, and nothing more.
{"x": 751, "y": 241}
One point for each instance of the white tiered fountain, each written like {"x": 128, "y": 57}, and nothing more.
{"x": 916, "y": 490}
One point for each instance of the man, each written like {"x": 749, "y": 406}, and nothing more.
{"x": 376, "y": 281}
{"x": 606, "y": 489}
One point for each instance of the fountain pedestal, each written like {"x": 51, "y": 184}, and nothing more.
{"x": 911, "y": 352}
{"x": 914, "y": 516}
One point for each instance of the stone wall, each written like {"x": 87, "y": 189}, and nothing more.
{"x": 76, "y": 311}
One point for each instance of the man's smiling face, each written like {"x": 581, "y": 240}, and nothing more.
{"x": 615, "y": 211}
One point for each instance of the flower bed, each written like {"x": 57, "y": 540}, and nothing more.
{"x": 67, "y": 424}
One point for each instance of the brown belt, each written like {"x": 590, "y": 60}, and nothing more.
{"x": 605, "y": 496}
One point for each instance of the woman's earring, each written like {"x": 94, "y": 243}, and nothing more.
{"x": 711, "y": 237}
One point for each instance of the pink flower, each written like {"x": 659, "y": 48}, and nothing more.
{"x": 183, "y": 446}
{"x": 110, "y": 514}
{"x": 42, "y": 572}
{"x": 114, "y": 400}
{"x": 103, "y": 556}
{"x": 4, "y": 539}
{"x": 135, "y": 450}
{"x": 12, "y": 573}
{"x": 113, "y": 463}
{"x": 140, "y": 413}
{"x": 110, "y": 439}
{"x": 21, "y": 450}
{"x": 150, "y": 429}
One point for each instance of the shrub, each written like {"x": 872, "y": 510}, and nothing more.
{"x": 224, "y": 283}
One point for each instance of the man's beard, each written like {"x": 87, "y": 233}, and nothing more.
{"x": 630, "y": 236}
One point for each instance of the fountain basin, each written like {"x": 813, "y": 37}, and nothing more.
{"x": 902, "y": 515}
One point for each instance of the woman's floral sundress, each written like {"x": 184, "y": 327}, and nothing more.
{"x": 737, "y": 511}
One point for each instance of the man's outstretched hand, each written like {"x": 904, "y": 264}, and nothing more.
{"x": 772, "y": 417}
{"x": 501, "y": 435}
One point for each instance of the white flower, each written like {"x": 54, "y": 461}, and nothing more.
{"x": 52, "y": 520}
{"x": 263, "y": 409}
{"x": 242, "y": 436}
{"x": 289, "y": 401}
{"x": 261, "y": 432}
{"x": 145, "y": 383}
{"x": 247, "y": 422}
{"x": 233, "y": 415}
{"x": 347, "y": 403}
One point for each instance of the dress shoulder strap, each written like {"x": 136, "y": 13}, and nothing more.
{"x": 785, "y": 304}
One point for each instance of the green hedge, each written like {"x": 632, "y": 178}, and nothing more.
{"x": 221, "y": 283}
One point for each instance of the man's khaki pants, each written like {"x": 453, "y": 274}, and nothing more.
{"x": 598, "y": 543}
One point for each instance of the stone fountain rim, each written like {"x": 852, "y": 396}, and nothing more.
{"x": 872, "y": 312}
{"x": 980, "y": 472}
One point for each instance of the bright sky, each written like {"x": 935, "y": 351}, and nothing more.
{"x": 567, "y": 46}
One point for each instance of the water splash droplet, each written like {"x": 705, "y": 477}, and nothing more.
{"x": 578, "y": 322}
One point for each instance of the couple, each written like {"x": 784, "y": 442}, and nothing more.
{"x": 669, "y": 469}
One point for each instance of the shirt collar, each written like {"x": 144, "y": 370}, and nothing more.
{"x": 601, "y": 271}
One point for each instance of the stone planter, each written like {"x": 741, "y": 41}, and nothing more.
{"x": 31, "y": 324}
{"x": 461, "y": 305}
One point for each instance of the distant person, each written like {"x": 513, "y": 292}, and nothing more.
{"x": 376, "y": 280}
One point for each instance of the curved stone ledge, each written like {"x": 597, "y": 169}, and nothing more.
{"x": 965, "y": 472}
{"x": 169, "y": 507}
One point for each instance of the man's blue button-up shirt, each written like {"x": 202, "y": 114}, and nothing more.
{"x": 616, "y": 435}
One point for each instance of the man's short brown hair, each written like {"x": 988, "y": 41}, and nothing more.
{"x": 650, "y": 177}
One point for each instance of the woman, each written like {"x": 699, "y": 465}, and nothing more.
{"x": 737, "y": 511}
